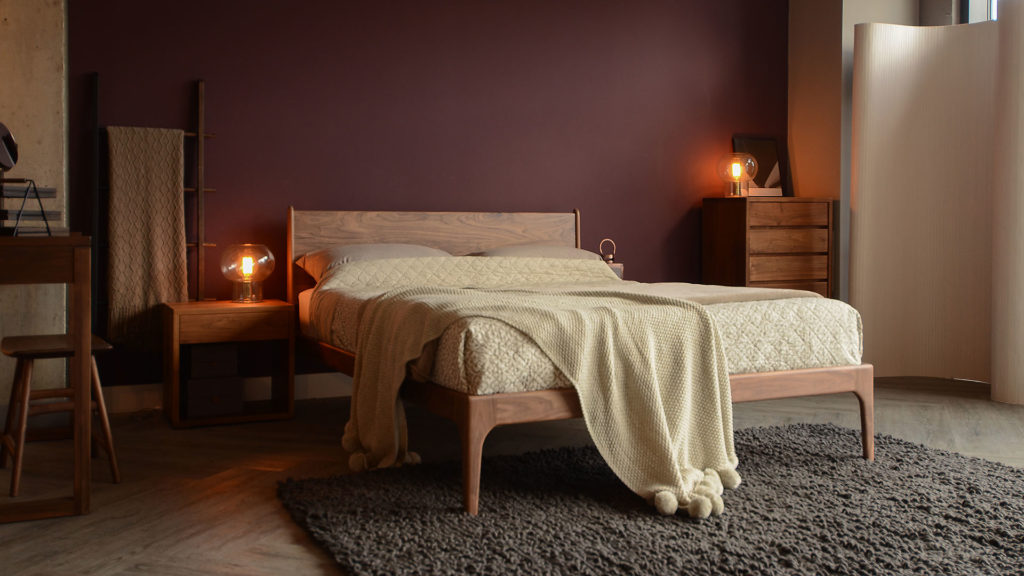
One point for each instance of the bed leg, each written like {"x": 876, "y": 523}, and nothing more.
{"x": 865, "y": 391}
{"x": 475, "y": 421}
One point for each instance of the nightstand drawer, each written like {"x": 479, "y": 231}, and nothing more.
{"x": 788, "y": 240}
{"x": 788, "y": 214}
{"x": 234, "y": 327}
{"x": 776, "y": 268}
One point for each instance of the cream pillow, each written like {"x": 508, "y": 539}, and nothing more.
{"x": 540, "y": 251}
{"x": 318, "y": 263}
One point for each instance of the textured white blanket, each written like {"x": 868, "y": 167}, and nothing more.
{"x": 649, "y": 370}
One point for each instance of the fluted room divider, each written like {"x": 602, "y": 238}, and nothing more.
{"x": 937, "y": 200}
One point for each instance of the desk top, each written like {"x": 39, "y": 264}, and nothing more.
{"x": 72, "y": 240}
{"x": 43, "y": 259}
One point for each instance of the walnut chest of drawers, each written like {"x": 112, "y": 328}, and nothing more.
{"x": 770, "y": 242}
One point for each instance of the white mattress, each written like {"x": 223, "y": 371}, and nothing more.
{"x": 484, "y": 356}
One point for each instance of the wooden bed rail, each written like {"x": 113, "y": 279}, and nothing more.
{"x": 476, "y": 415}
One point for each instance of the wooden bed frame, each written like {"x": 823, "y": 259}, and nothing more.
{"x": 463, "y": 233}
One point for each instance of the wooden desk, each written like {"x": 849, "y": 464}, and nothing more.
{"x": 58, "y": 260}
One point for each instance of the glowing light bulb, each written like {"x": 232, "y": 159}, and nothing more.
{"x": 247, "y": 266}
{"x": 737, "y": 168}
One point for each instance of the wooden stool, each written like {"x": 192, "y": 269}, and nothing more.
{"x": 28, "y": 349}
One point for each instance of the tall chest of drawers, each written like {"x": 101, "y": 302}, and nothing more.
{"x": 771, "y": 242}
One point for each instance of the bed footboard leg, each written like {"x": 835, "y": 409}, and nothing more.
{"x": 865, "y": 391}
{"x": 475, "y": 421}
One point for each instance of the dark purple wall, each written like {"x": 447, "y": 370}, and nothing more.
{"x": 620, "y": 109}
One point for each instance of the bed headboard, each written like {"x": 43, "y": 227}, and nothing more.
{"x": 459, "y": 233}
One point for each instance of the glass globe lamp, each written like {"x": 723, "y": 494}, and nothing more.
{"x": 736, "y": 169}
{"x": 247, "y": 266}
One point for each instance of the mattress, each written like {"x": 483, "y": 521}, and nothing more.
{"x": 762, "y": 330}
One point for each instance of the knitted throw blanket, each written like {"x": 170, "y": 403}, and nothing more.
{"x": 147, "y": 231}
{"x": 650, "y": 373}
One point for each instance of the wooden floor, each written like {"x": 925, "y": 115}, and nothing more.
{"x": 203, "y": 501}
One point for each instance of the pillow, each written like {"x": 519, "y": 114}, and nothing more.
{"x": 318, "y": 263}
{"x": 540, "y": 251}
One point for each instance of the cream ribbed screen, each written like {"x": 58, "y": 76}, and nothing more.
{"x": 1008, "y": 203}
{"x": 937, "y": 202}
{"x": 921, "y": 201}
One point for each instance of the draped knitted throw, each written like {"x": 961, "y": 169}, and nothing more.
{"x": 650, "y": 373}
{"x": 146, "y": 231}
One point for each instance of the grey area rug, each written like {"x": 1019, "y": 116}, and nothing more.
{"x": 808, "y": 505}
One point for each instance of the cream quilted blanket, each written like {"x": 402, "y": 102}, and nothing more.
{"x": 650, "y": 371}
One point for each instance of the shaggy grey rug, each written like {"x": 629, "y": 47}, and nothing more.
{"x": 808, "y": 505}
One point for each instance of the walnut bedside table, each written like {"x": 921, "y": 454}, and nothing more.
{"x": 265, "y": 337}
{"x": 618, "y": 267}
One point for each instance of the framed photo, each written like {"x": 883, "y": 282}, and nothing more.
{"x": 772, "y": 176}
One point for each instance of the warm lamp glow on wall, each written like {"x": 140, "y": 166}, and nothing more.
{"x": 737, "y": 168}
{"x": 247, "y": 265}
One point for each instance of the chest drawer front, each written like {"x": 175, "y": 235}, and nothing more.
{"x": 788, "y": 214}
{"x": 234, "y": 327}
{"x": 819, "y": 286}
{"x": 782, "y": 240}
{"x": 775, "y": 268}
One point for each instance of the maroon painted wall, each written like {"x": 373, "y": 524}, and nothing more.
{"x": 620, "y": 109}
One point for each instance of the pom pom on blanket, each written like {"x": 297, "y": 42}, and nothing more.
{"x": 730, "y": 478}
{"x": 349, "y": 441}
{"x": 700, "y": 507}
{"x": 712, "y": 479}
{"x": 357, "y": 462}
{"x": 666, "y": 503}
{"x": 709, "y": 486}
{"x": 703, "y": 490}
{"x": 717, "y": 505}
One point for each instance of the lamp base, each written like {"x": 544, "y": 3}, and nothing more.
{"x": 736, "y": 190}
{"x": 248, "y": 292}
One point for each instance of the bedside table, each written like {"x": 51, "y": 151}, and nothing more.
{"x": 773, "y": 242}
{"x": 263, "y": 332}
{"x": 618, "y": 267}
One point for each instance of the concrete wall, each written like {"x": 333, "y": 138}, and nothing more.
{"x": 33, "y": 91}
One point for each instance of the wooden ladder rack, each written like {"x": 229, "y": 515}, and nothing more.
{"x": 199, "y": 244}
{"x": 194, "y": 199}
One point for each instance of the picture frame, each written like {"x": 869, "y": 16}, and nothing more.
{"x": 772, "y": 178}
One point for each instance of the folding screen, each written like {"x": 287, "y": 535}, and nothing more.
{"x": 1008, "y": 210}
{"x": 929, "y": 183}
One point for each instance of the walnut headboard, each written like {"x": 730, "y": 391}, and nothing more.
{"x": 459, "y": 233}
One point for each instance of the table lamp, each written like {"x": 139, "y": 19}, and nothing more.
{"x": 247, "y": 266}
{"x": 737, "y": 168}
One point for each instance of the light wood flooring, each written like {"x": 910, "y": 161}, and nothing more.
{"x": 203, "y": 501}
